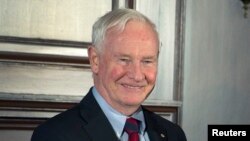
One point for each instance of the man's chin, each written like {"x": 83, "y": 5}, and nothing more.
{"x": 133, "y": 103}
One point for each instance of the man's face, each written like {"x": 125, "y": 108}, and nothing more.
{"x": 125, "y": 72}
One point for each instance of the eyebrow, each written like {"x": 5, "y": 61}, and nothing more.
{"x": 150, "y": 57}
{"x": 128, "y": 56}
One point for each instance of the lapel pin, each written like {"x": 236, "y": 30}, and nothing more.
{"x": 162, "y": 135}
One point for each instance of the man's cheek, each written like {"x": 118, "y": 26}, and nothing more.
{"x": 151, "y": 76}
{"x": 117, "y": 72}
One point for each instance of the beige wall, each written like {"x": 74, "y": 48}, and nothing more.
{"x": 53, "y": 19}
{"x": 216, "y": 66}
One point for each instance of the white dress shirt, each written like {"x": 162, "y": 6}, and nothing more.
{"x": 117, "y": 120}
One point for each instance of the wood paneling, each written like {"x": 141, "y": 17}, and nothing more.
{"x": 14, "y": 122}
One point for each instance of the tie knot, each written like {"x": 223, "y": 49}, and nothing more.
{"x": 131, "y": 125}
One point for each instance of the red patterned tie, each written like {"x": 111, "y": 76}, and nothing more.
{"x": 132, "y": 128}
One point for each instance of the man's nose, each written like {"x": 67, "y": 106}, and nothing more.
{"x": 136, "y": 72}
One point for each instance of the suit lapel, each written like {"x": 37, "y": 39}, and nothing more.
{"x": 155, "y": 131}
{"x": 97, "y": 125}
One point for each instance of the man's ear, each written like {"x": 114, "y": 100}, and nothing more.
{"x": 93, "y": 59}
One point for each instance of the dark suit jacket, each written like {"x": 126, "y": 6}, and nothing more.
{"x": 87, "y": 122}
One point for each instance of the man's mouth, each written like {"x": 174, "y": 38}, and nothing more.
{"x": 132, "y": 86}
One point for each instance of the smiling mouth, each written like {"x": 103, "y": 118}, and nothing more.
{"x": 132, "y": 86}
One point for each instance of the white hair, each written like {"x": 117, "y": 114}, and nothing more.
{"x": 117, "y": 18}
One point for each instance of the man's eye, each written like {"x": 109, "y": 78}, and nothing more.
{"x": 124, "y": 59}
{"x": 147, "y": 61}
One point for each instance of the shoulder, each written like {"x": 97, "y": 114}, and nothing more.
{"x": 58, "y": 126}
{"x": 157, "y": 119}
{"x": 65, "y": 124}
{"x": 161, "y": 124}
{"x": 68, "y": 116}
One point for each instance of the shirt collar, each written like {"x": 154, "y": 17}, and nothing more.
{"x": 117, "y": 119}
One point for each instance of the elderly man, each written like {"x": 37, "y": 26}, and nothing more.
{"x": 123, "y": 58}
